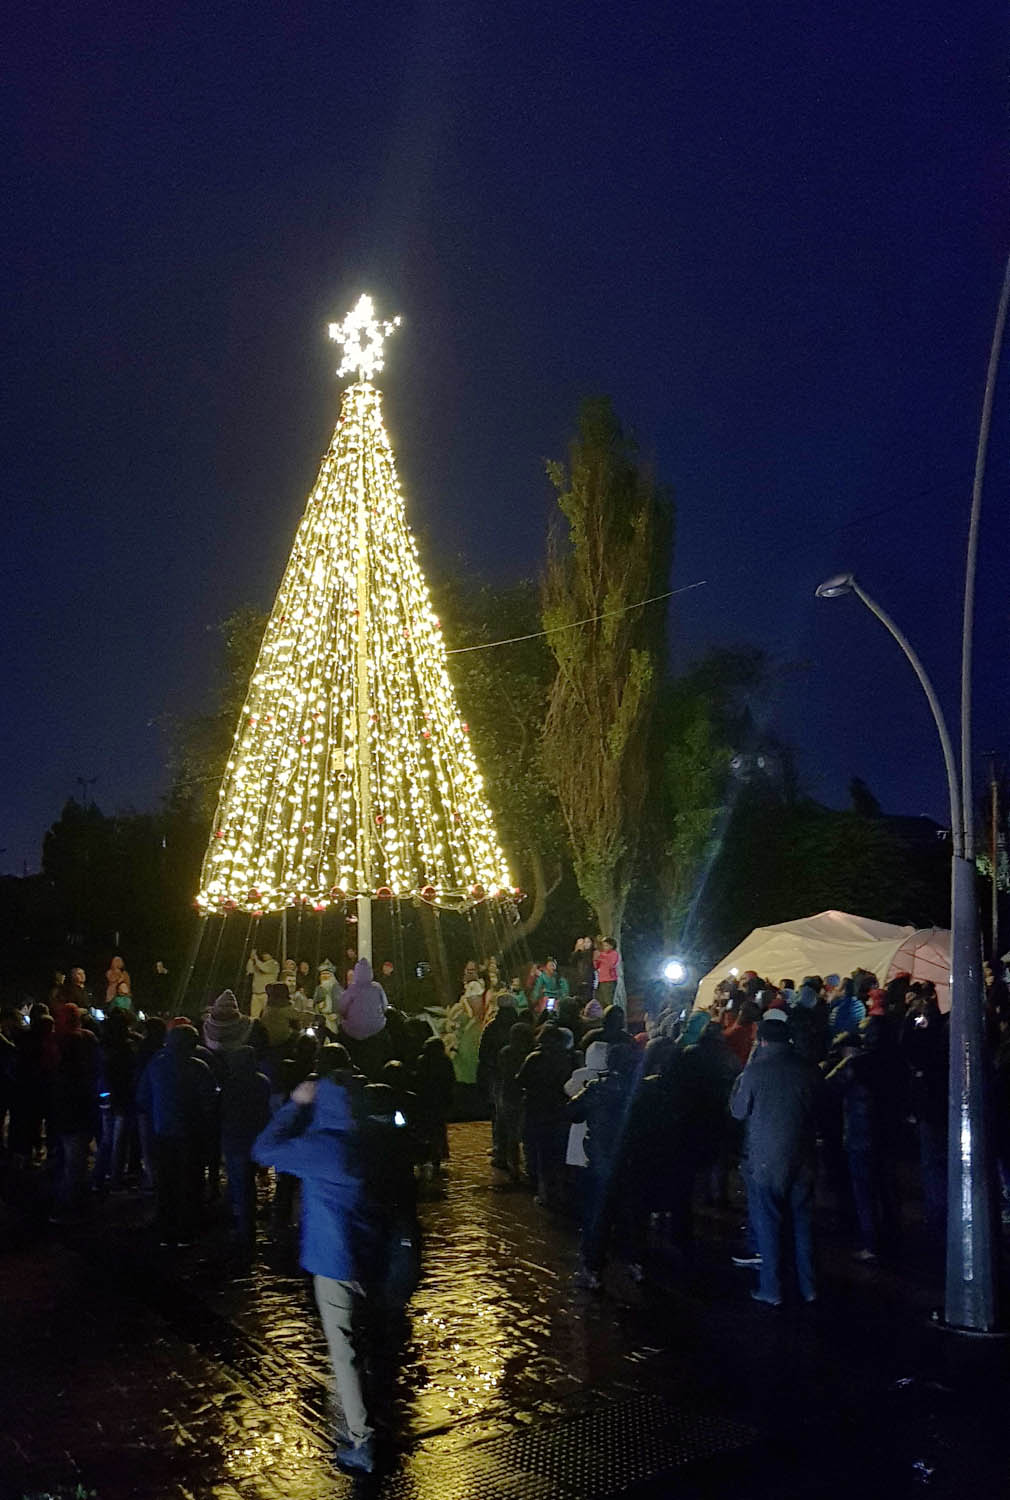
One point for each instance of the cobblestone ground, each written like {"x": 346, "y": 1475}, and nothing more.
{"x": 139, "y": 1373}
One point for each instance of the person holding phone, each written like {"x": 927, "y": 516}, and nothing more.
{"x": 550, "y": 986}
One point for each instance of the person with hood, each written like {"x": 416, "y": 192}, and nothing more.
{"x": 508, "y": 1101}
{"x": 74, "y": 1115}
{"x": 264, "y": 970}
{"x": 245, "y": 1113}
{"x": 542, "y": 1079}
{"x": 315, "y": 1138}
{"x": 273, "y": 1035}
{"x": 178, "y": 1093}
{"x": 326, "y": 996}
{"x": 434, "y": 1087}
{"x": 595, "y": 1067}
{"x": 363, "y": 1007}
{"x": 776, "y": 1095}
{"x": 224, "y": 1026}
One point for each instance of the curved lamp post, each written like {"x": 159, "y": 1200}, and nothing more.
{"x": 970, "y": 1302}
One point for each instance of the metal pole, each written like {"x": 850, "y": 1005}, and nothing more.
{"x": 956, "y": 821}
{"x": 971, "y": 1301}
{"x": 972, "y": 562}
{"x": 994, "y": 944}
{"x": 364, "y": 743}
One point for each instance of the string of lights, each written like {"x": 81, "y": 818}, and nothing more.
{"x": 351, "y": 772}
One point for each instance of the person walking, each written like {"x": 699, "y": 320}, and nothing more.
{"x": 315, "y": 1137}
{"x": 776, "y": 1094}
{"x": 118, "y": 1060}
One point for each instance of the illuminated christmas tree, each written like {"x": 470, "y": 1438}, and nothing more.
{"x": 351, "y": 773}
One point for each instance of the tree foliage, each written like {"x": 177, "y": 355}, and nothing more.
{"x": 603, "y": 556}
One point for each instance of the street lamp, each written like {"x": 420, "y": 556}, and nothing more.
{"x": 970, "y": 1302}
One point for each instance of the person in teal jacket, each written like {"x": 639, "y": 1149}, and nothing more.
{"x": 549, "y": 985}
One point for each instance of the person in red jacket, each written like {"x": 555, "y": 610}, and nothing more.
{"x": 605, "y": 962}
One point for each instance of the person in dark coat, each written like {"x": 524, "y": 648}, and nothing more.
{"x": 434, "y": 1086}
{"x": 542, "y": 1079}
{"x": 74, "y": 1110}
{"x": 509, "y": 1096}
{"x": 245, "y": 1112}
{"x": 493, "y": 1038}
{"x": 776, "y": 1094}
{"x": 38, "y": 1056}
{"x": 155, "y": 1031}
{"x": 604, "y": 1105}
{"x": 925, "y": 1045}
{"x": 118, "y": 1062}
{"x": 869, "y": 1080}
{"x": 316, "y": 1138}
{"x": 178, "y": 1092}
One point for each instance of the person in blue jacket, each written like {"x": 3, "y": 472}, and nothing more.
{"x": 316, "y": 1138}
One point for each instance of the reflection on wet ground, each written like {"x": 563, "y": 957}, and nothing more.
{"x": 144, "y": 1374}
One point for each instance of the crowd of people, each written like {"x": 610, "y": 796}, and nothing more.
{"x": 347, "y": 1098}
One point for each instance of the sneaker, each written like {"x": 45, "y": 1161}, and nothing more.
{"x": 866, "y": 1256}
{"x": 768, "y": 1301}
{"x": 356, "y": 1458}
{"x": 746, "y": 1259}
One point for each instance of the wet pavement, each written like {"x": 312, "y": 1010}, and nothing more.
{"x": 137, "y": 1372}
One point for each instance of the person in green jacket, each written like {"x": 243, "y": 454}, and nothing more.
{"x": 549, "y": 986}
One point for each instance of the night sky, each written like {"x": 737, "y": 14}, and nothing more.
{"x": 774, "y": 234}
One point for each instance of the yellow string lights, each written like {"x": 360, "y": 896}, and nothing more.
{"x": 351, "y": 771}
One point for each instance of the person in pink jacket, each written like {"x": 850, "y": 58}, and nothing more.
{"x": 605, "y": 962}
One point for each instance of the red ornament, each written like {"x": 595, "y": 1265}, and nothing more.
{"x": 378, "y": 818}
{"x": 478, "y": 892}
{"x": 230, "y": 905}
{"x": 254, "y": 896}
{"x": 338, "y": 893}
{"x": 383, "y": 893}
{"x": 219, "y": 833}
{"x": 426, "y": 733}
{"x": 466, "y": 729}
{"x": 319, "y": 906}
{"x": 428, "y": 893}
{"x": 252, "y": 718}
{"x": 303, "y": 739}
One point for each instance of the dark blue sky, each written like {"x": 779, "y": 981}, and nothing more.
{"x": 773, "y": 233}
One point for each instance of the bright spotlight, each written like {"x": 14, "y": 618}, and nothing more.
{"x": 735, "y": 973}
{"x": 674, "y": 972}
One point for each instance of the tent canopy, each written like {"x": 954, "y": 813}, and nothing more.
{"x": 835, "y": 942}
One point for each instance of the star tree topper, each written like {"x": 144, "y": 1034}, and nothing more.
{"x": 361, "y": 336}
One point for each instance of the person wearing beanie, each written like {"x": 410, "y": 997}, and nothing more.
{"x": 776, "y": 1096}
{"x": 225, "y": 1027}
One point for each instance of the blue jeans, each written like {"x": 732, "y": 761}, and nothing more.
{"x": 110, "y": 1160}
{"x": 772, "y": 1205}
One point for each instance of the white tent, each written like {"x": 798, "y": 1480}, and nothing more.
{"x": 834, "y": 942}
